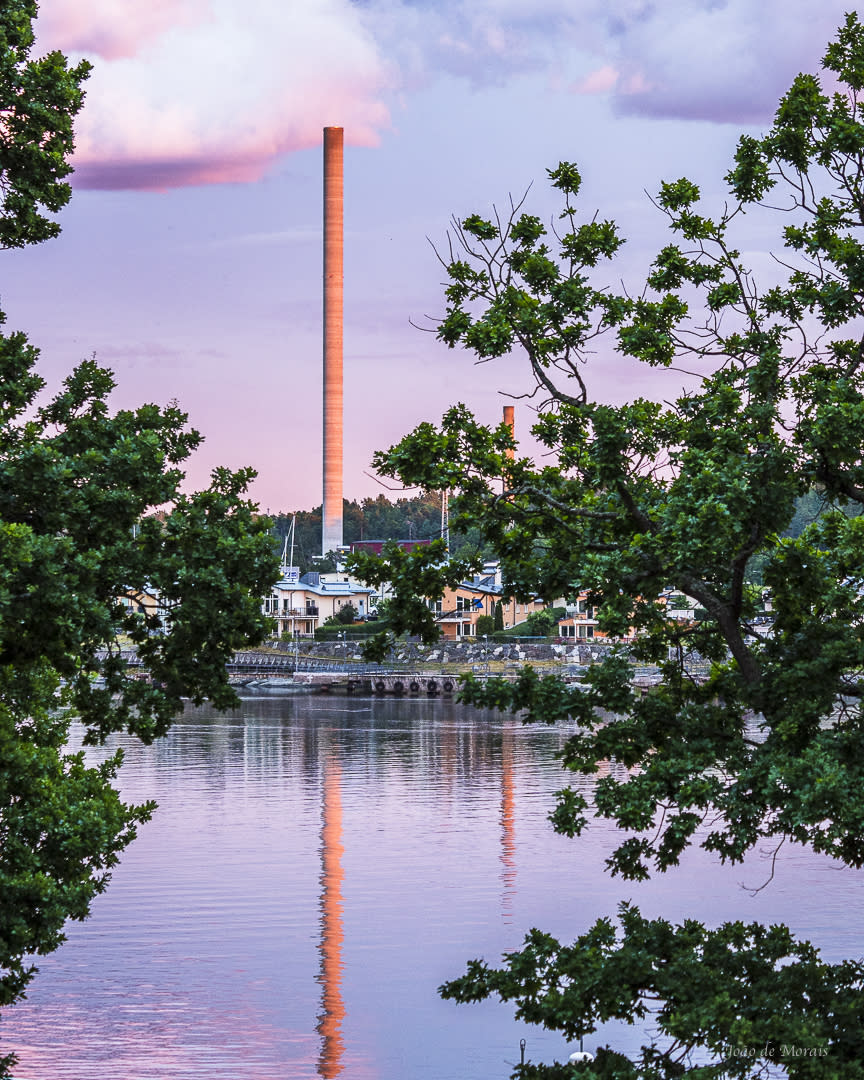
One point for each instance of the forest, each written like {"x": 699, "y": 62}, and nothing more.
{"x": 415, "y": 518}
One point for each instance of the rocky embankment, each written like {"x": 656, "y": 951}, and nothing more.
{"x": 460, "y": 652}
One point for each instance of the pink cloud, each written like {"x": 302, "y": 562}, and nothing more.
{"x": 194, "y": 92}
{"x": 140, "y": 167}
{"x": 188, "y": 92}
{"x": 600, "y": 81}
{"x": 112, "y": 29}
{"x": 634, "y": 83}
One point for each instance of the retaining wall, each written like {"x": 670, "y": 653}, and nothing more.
{"x": 465, "y": 652}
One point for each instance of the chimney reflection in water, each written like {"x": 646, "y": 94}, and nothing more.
{"x": 508, "y": 827}
{"x": 332, "y": 933}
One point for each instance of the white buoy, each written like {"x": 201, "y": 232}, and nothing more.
{"x": 580, "y": 1055}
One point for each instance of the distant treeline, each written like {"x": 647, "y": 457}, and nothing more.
{"x": 417, "y": 518}
{"x": 808, "y": 508}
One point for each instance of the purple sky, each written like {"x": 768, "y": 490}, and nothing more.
{"x": 190, "y": 257}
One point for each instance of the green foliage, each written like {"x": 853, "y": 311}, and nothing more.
{"x": 78, "y": 543}
{"x": 415, "y": 575}
{"x": 755, "y": 471}
{"x": 75, "y": 483}
{"x": 541, "y": 623}
{"x": 743, "y": 992}
{"x": 38, "y": 100}
{"x": 338, "y": 632}
{"x": 346, "y": 615}
{"x": 63, "y": 826}
{"x": 499, "y": 616}
{"x": 485, "y": 625}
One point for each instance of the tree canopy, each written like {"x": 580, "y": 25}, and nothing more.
{"x": 641, "y": 497}
{"x": 79, "y": 542}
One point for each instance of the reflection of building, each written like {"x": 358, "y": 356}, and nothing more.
{"x": 508, "y": 826}
{"x": 332, "y": 931}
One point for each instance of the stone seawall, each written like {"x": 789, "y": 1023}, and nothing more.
{"x": 459, "y": 652}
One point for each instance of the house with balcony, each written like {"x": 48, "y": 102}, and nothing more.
{"x": 298, "y": 605}
{"x": 458, "y": 610}
{"x": 581, "y": 622}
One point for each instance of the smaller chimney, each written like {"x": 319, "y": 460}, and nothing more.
{"x": 510, "y": 421}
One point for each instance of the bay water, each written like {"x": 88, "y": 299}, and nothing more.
{"x": 318, "y": 866}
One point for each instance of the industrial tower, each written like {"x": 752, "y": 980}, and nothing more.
{"x": 331, "y": 516}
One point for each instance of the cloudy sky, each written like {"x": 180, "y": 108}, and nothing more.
{"x": 190, "y": 258}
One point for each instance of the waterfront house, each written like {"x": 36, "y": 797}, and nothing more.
{"x": 580, "y": 622}
{"x": 458, "y": 610}
{"x": 298, "y": 605}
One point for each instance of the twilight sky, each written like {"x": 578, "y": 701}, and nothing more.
{"x": 190, "y": 258}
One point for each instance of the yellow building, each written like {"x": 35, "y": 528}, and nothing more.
{"x": 459, "y": 608}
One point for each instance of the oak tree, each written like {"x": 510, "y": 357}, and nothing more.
{"x": 764, "y": 742}
{"x": 79, "y": 543}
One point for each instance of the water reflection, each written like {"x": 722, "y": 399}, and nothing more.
{"x": 318, "y": 867}
{"x": 508, "y": 827}
{"x": 332, "y": 931}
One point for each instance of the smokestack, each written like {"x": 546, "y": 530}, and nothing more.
{"x": 510, "y": 421}
{"x": 331, "y": 517}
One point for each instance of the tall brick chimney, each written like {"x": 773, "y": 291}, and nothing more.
{"x": 331, "y": 518}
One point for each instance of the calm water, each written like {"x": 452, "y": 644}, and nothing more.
{"x": 318, "y": 866}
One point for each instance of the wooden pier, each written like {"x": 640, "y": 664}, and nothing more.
{"x": 409, "y": 684}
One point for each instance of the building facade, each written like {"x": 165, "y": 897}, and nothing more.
{"x": 299, "y": 605}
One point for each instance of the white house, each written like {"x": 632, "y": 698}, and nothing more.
{"x": 299, "y": 605}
